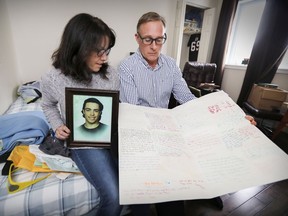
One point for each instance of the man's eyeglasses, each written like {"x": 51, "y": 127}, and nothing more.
{"x": 103, "y": 51}
{"x": 149, "y": 40}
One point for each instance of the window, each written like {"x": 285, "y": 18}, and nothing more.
{"x": 245, "y": 26}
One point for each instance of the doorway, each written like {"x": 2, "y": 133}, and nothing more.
{"x": 192, "y": 19}
{"x": 191, "y": 34}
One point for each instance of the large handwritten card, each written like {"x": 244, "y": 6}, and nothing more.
{"x": 201, "y": 149}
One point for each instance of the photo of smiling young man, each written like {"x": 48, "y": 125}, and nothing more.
{"x": 92, "y": 129}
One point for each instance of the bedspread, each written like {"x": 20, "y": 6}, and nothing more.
{"x": 58, "y": 197}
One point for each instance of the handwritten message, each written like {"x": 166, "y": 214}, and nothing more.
{"x": 201, "y": 149}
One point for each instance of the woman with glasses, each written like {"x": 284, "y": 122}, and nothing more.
{"x": 81, "y": 62}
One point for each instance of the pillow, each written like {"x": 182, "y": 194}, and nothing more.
{"x": 30, "y": 92}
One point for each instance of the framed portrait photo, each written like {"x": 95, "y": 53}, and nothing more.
{"x": 92, "y": 117}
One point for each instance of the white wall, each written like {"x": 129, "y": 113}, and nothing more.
{"x": 37, "y": 26}
{"x": 9, "y": 78}
{"x": 234, "y": 76}
{"x": 31, "y": 31}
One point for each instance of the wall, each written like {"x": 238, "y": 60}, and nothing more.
{"x": 203, "y": 3}
{"x": 8, "y": 72}
{"x": 32, "y": 30}
{"x": 37, "y": 27}
{"x": 234, "y": 76}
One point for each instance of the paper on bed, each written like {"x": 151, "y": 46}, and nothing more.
{"x": 202, "y": 149}
{"x": 54, "y": 162}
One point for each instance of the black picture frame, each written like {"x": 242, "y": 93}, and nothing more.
{"x": 81, "y": 136}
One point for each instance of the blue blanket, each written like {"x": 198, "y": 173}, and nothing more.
{"x": 29, "y": 127}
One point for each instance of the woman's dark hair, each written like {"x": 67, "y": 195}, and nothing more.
{"x": 82, "y": 35}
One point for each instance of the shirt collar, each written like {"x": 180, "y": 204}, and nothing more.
{"x": 159, "y": 64}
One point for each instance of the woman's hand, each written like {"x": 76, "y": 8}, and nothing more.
{"x": 251, "y": 119}
{"x": 62, "y": 132}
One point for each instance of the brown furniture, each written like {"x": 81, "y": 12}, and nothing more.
{"x": 200, "y": 77}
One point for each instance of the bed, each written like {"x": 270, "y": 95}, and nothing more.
{"x": 51, "y": 196}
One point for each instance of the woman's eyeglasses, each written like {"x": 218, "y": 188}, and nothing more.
{"x": 149, "y": 40}
{"x": 100, "y": 53}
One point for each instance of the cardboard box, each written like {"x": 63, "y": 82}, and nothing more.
{"x": 267, "y": 98}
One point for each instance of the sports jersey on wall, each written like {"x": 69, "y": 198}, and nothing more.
{"x": 193, "y": 45}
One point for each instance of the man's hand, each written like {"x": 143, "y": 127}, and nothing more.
{"x": 251, "y": 119}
